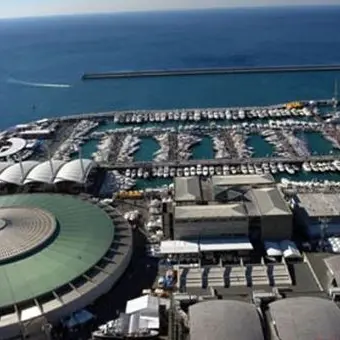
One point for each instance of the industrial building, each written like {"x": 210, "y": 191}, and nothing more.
{"x": 249, "y": 206}
{"x": 225, "y": 319}
{"x": 318, "y": 213}
{"x": 333, "y": 271}
{"x": 58, "y": 253}
{"x": 303, "y": 318}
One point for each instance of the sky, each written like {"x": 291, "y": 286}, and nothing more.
{"x": 28, "y": 8}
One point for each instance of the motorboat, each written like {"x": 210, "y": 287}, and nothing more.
{"x": 112, "y": 330}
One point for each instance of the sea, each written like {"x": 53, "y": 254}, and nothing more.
{"x": 42, "y": 60}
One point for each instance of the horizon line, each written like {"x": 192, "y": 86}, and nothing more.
{"x": 79, "y": 14}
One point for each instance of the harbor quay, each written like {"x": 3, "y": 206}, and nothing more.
{"x": 220, "y": 162}
{"x": 111, "y": 114}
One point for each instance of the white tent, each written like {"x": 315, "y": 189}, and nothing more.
{"x": 272, "y": 248}
{"x": 290, "y": 250}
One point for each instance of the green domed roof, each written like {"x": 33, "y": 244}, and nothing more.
{"x": 46, "y": 241}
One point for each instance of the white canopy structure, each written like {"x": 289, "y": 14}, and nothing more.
{"x": 75, "y": 171}
{"x": 179, "y": 247}
{"x": 290, "y": 250}
{"x": 15, "y": 145}
{"x": 227, "y": 244}
{"x": 273, "y": 248}
{"x": 44, "y": 172}
{"x": 4, "y": 165}
{"x": 16, "y": 173}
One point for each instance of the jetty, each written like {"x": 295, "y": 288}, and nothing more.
{"x": 210, "y": 71}
{"x": 218, "y": 162}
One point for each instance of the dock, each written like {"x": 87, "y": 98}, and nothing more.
{"x": 218, "y": 162}
{"x": 111, "y": 114}
{"x": 210, "y": 71}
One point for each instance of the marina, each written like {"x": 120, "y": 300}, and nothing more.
{"x": 141, "y": 147}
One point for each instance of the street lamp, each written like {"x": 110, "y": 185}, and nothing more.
{"x": 323, "y": 230}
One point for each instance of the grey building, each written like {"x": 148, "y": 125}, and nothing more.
{"x": 224, "y": 319}
{"x": 316, "y": 209}
{"x": 304, "y": 318}
{"x": 240, "y": 180}
{"x": 268, "y": 205}
{"x": 210, "y": 221}
{"x": 333, "y": 270}
{"x": 249, "y": 205}
{"x": 188, "y": 190}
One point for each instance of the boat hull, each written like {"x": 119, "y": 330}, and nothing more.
{"x": 99, "y": 335}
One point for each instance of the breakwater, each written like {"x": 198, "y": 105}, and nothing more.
{"x": 209, "y": 71}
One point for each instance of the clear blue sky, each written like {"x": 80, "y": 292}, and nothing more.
{"x": 24, "y": 8}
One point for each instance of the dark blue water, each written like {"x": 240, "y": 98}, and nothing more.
{"x": 261, "y": 147}
{"x": 148, "y": 146}
{"x": 204, "y": 149}
{"x": 59, "y": 50}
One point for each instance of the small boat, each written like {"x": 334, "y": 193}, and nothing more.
{"x": 205, "y": 171}
{"x": 107, "y": 332}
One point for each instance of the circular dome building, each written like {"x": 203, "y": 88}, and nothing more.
{"x": 58, "y": 253}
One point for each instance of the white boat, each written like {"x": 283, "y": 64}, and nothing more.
{"x": 205, "y": 171}
{"x": 172, "y": 172}
{"x": 244, "y": 169}
{"x": 306, "y": 167}
{"x": 140, "y": 173}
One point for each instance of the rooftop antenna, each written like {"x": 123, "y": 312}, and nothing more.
{"x": 335, "y": 98}
{"x": 49, "y": 159}
{"x": 81, "y": 163}
{"x": 21, "y": 169}
{"x": 323, "y": 230}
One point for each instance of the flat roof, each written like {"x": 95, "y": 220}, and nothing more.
{"x": 224, "y": 319}
{"x": 85, "y": 233}
{"x": 225, "y": 244}
{"x": 187, "y": 189}
{"x": 269, "y": 201}
{"x": 233, "y": 180}
{"x": 179, "y": 247}
{"x": 305, "y": 318}
{"x": 320, "y": 204}
{"x": 333, "y": 265}
{"x": 209, "y": 211}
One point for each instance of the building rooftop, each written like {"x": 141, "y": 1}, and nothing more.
{"x": 269, "y": 201}
{"x": 209, "y": 211}
{"x": 187, "y": 189}
{"x": 333, "y": 265}
{"x": 224, "y": 319}
{"x": 33, "y": 171}
{"x": 62, "y": 256}
{"x": 320, "y": 204}
{"x": 305, "y": 318}
{"x": 242, "y": 180}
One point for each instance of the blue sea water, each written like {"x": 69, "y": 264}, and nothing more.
{"x": 37, "y": 53}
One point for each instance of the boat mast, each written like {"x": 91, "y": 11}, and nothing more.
{"x": 335, "y": 98}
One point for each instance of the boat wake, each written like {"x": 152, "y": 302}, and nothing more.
{"x": 32, "y": 84}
